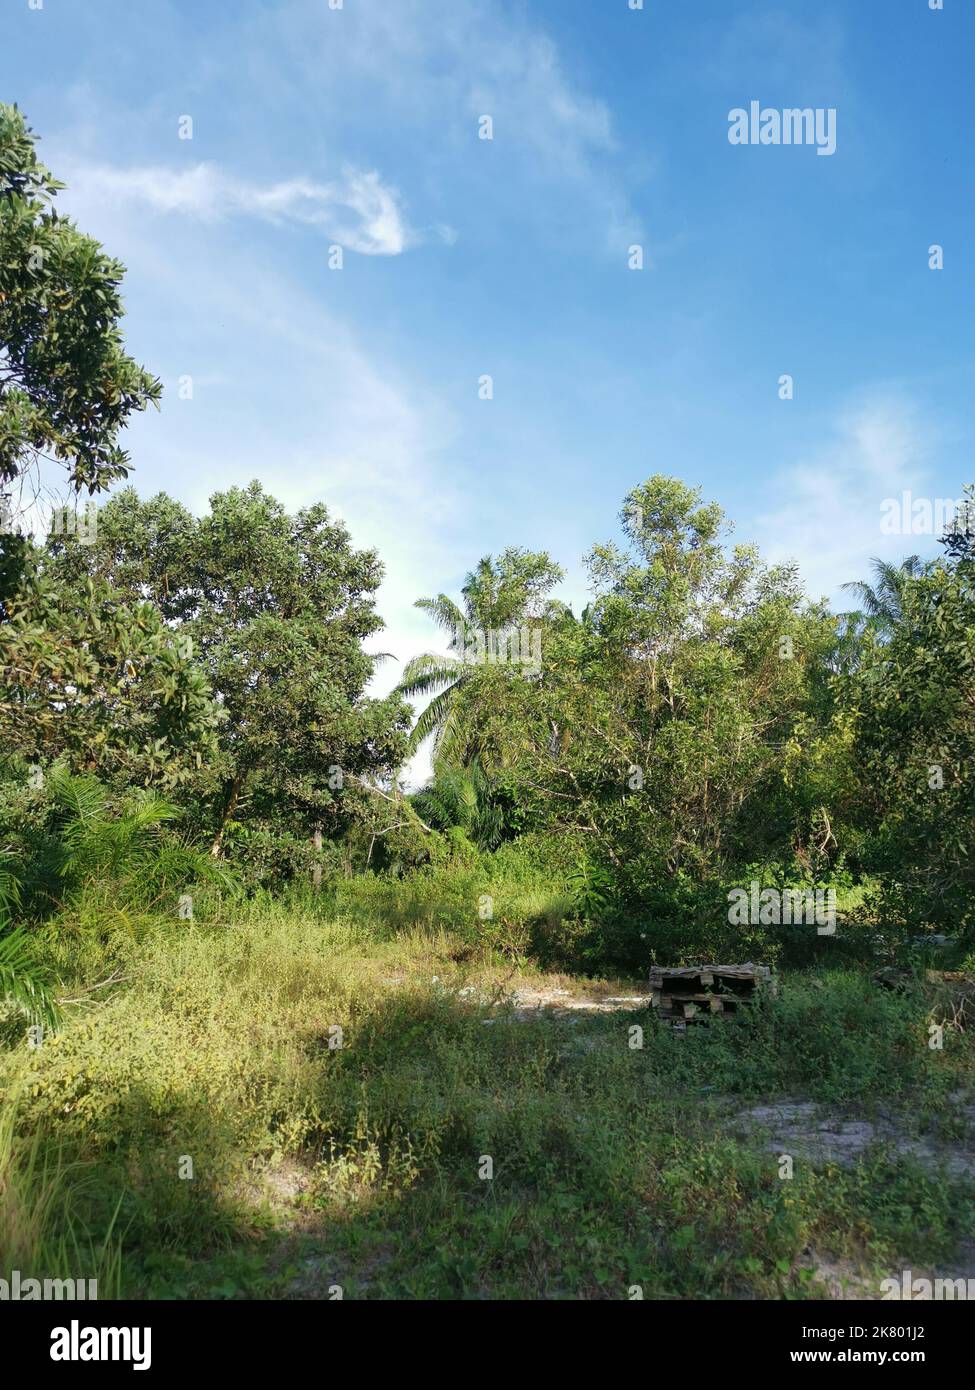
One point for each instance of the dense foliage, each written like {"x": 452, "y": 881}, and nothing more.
{"x": 701, "y": 725}
{"x": 274, "y": 610}
{"x": 66, "y": 384}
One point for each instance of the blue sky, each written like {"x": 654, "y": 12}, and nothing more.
{"x": 358, "y": 126}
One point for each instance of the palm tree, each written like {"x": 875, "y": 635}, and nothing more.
{"x": 498, "y": 595}
{"x": 462, "y": 798}
{"x": 883, "y": 603}
{"x": 443, "y": 677}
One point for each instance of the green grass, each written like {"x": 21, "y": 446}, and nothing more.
{"x": 315, "y": 1166}
{"x": 40, "y": 1196}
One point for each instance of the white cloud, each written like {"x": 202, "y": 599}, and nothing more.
{"x": 358, "y": 211}
{"x": 828, "y": 509}
{"x": 425, "y": 70}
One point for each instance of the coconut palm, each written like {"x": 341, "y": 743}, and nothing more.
{"x": 883, "y": 602}
{"x": 498, "y": 595}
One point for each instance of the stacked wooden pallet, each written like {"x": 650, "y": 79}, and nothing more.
{"x": 694, "y": 993}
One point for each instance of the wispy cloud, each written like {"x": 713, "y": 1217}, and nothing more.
{"x": 357, "y": 211}
{"x": 828, "y": 508}
{"x": 333, "y": 418}
{"x": 424, "y": 71}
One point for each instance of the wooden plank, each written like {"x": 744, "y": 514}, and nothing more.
{"x": 693, "y": 998}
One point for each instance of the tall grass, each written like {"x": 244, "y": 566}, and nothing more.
{"x": 222, "y": 1047}
{"x": 43, "y": 1228}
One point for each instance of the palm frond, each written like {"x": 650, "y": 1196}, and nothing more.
{"x": 443, "y": 611}
{"x": 84, "y": 798}
{"x": 9, "y": 888}
{"x": 107, "y": 846}
{"x": 21, "y": 979}
{"x": 865, "y": 593}
{"x": 882, "y": 603}
{"x": 462, "y": 798}
{"x": 428, "y": 672}
{"x": 450, "y": 744}
{"x": 431, "y": 718}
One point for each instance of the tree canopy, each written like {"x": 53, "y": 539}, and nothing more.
{"x": 274, "y": 609}
{"x": 67, "y": 385}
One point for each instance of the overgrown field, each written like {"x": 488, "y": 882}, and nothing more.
{"x": 275, "y": 1022}
{"x": 336, "y": 1087}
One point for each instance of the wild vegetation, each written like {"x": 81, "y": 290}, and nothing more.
{"x": 265, "y": 1012}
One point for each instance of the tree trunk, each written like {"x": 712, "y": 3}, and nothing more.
{"x": 216, "y": 849}
{"x": 316, "y": 873}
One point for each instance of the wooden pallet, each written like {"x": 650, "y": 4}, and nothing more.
{"x": 696, "y": 993}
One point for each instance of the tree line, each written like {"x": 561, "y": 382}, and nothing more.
{"x": 700, "y": 722}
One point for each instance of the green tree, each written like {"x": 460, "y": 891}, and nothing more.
{"x": 99, "y": 682}
{"x": 883, "y": 601}
{"x": 276, "y": 608}
{"x": 688, "y": 725}
{"x": 912, "y": 701}
{"x": 66, "y": 384}
{"x": 23, "y": 985}
{"x": 463, "y": 799}
{"x": 498, "y": 597}
{"x": 77, "y": 846}
{"x": 959, "y": 537}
